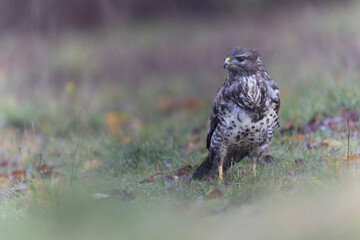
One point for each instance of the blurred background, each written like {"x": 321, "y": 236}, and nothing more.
{"x": 162, "y": 56}
{"x": 124, "y": 87}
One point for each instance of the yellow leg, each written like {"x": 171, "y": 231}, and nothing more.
{"x": 221, "y": 173}
{"x": 254, "y": 169}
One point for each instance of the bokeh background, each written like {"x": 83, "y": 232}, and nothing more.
{"x": 109, "y": 96}
{"x": 146, "y": 56}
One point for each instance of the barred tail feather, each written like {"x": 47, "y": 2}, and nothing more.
{"x": 204, "y": 169}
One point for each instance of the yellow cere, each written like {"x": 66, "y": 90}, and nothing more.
{"x": 227, "y": 59}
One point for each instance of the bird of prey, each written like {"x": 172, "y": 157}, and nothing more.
{"x": 243, "y": 116}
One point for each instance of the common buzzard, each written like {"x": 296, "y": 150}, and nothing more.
{"x": 243, "y": 116}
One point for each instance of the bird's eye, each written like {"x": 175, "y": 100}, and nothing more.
{"x": 240, "y": 59}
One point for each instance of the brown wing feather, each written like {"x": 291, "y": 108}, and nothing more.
{"x": 214, "y": 115}
{"x": 213, "y": 122}
{"x": 275, "y": 98}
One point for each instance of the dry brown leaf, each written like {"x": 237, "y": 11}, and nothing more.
{"x": 181, "y": 173}
{"x": 184, "y": 171}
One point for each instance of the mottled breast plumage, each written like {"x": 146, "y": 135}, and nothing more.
{"x": 244, "y": 112}
{"x": 247, "y": 111}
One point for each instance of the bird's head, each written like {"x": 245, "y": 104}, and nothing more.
{"x": 243, "y": 61}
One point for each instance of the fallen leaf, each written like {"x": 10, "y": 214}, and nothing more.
{"x": 184, "y": 171}
{"x": 216, "y": 192}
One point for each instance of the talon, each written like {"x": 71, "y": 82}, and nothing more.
{"x": 254, "y": 169}
{"x": 221, "y": 173}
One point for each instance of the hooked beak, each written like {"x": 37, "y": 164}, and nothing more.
{"x": 226, "y": 62}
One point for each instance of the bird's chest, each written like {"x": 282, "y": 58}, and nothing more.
{"x": 241, "y": 131}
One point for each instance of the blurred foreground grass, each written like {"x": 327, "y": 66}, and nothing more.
{"x": 137, "y": 100}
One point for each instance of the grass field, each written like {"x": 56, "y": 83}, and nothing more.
{"x": 96, "y": 125}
